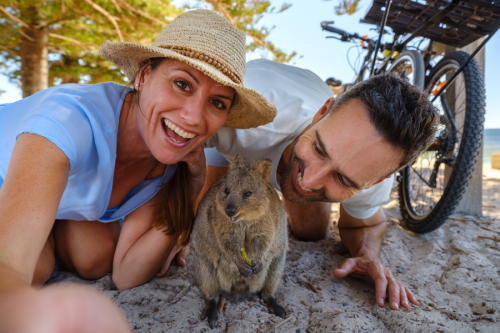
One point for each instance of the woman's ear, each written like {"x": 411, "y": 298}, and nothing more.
{"x": 139, "y": 77}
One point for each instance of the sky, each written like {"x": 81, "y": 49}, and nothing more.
{"x": 298, "y": 29}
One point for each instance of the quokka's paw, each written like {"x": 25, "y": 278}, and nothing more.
{"x": 256, "y": 268}
{"x": 244, "y": 268}
{"x": 275, "y": 308}
{"x": 212, "y": 314}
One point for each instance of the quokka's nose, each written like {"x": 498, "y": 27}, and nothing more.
{"x": 230, "y": 210}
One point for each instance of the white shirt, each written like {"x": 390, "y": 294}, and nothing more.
{"x": 298, "y": 94}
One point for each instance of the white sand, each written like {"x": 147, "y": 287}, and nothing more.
{"x": 454, "y": 274}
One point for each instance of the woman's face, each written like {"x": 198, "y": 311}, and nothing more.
{"x": 179, "y": 109}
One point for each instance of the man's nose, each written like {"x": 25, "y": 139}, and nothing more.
{"x": 314, "y": 177}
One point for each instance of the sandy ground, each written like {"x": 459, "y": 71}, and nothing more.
{"x": 454, "y": 273}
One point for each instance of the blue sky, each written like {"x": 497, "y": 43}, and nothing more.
{"x": 298, "y": 29}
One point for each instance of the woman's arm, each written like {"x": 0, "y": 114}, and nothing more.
{"x": 141, "y": 248}
{"x": 29, "y": 199}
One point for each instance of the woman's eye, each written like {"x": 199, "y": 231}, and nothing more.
{"x": 227, "y": 191}
{"x": 248, "y": 193}
{"x": 183, "y": 85}
{"x": 218, "y": 104}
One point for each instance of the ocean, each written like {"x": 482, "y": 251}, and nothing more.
{"x": 491, "y": 143}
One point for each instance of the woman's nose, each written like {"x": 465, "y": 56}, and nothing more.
{"x": 192, "y": 113}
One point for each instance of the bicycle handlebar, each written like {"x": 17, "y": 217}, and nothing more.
{"x": 325, "y": 25}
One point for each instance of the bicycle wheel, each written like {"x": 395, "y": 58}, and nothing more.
{"x": 431, "y": 187}
{"x": 410, "y": 65}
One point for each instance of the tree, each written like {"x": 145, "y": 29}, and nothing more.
{"x": 246, "y": 15}
{"x": 45, "y": 43}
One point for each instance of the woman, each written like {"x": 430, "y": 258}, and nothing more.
{"x": 90, "y": 156}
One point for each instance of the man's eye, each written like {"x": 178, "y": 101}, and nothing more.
{"x": 183, "y": 85}
{"x": 218, "y": 104}
{"x": 342, "y": 181}
{"x": 316, "y": 149}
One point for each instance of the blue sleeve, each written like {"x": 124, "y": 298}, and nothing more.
{"x": 62, "y": 120}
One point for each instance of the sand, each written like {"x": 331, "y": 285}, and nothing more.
{"x": 453, "y": 272}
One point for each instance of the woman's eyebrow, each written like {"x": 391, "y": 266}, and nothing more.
{"x": 198, "y": 82}
{"x": 225, "y": 97}
{"x": 189, "y": 73}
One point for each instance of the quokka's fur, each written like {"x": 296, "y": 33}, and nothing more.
{"x": 240, "y": 210}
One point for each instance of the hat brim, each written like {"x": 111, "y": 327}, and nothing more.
{"x": 251, "y": 109}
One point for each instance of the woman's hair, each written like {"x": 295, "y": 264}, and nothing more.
{"x": 175, "y": 204}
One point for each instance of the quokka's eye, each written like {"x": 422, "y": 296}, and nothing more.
{"x": 227, "y": 191}
{"x": 248, "y": 193}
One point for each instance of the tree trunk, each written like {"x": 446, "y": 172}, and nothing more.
{"x": 34, "y": 62}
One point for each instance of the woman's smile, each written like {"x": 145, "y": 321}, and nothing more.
{"x": 176, "y": 135}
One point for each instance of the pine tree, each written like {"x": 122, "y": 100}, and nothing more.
{"x": 49, "y": 42}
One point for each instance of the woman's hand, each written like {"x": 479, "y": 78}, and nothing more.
{"x": 197, "y": 165}
{"x": 181, "y": 252}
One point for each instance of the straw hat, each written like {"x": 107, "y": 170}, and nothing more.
{"x": 211, "y": 44}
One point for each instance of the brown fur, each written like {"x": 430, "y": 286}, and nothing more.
{"x": 260, "y": 228}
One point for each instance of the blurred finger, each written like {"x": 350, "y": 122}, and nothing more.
{"x": 393, "y": 288}
{"x": 182, "y": 256}
{"x": 410, "y": 296}
{"x": 347, "y": 266}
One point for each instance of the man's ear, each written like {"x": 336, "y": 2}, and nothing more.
{"x": 323, "y": 110}
{"x": 380, "y": 181}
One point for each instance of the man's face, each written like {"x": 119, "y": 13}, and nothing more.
{"x": 338, "y": 156}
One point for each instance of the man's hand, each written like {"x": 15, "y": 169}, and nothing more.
{"x": 384, "y": 280}
{"x": 363, "y": 238}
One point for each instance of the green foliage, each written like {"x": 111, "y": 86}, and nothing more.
{"x": 77, "y": 28}
{"x": 246, "y": 16}
{"x": 76, "y": 59}
{"x": 348, "y": 7}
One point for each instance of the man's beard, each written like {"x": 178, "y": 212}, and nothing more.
{"x": 288, "y": 188}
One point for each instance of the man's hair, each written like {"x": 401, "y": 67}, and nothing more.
{"x": 401, "y": 112}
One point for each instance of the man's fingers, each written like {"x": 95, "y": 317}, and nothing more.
{"x": 182, "y": 256}
{"x": 403, "y": 297}
{"x": 410, "y": 296}
{"x": 393, "y": 288}
{"x": 377, "y": 274}
{"x": 345, "y": 268}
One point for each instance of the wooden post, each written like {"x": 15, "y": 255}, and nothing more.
{"x": 472, "y": 201}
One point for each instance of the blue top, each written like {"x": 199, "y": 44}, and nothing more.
{"x": 82, "y": 120}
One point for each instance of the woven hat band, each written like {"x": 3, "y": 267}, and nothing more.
{"x": 189, "y": 52}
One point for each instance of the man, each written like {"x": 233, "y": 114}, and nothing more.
{"x": 324, "y": 151}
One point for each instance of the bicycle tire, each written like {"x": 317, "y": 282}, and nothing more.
{"x": 417, "y": 63}
{"x": 466, "y": 153}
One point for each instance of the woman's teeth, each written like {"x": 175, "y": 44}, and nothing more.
{"x": 300, "y": 183}
{"x": 179, "y": 132}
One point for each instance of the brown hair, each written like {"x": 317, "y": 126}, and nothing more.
{"x": 175, "y": 204}
{"x": 401, "y": 112}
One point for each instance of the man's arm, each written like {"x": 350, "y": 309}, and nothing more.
{"x": 363, "y": 239}
{"x": 309, "y": 222}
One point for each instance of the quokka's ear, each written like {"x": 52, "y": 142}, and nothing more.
{"x": 264, "y": 167}
{"x": 238, "y": 161}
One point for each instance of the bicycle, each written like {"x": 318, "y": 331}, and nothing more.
{"x": 432, "y": 186}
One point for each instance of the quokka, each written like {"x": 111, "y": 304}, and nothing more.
{"x": 241, "y": 210}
